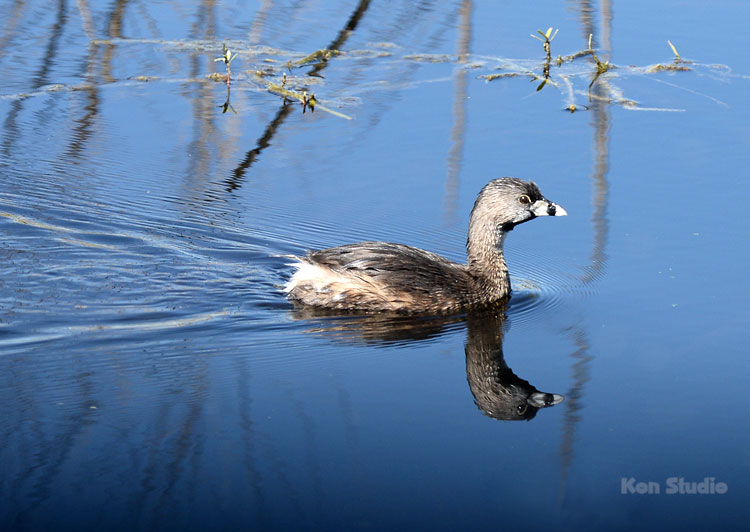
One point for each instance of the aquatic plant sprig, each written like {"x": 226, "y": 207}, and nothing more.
{"x": 546, "y": 40}
{"x": 227, "y": 57}
{"x": 308, "y": 101}
{"x": 559, "y": 60}
{"x": 601, "y": 68}
{"x": 546, "y": 36}
{"x": 678, "y": 65}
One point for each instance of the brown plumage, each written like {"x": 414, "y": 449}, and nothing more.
{"x": 385, "y": 277}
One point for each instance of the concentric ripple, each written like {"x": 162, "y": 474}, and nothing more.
{"x": 543, "y": 287}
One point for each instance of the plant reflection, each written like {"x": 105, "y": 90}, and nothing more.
{"x": 227, "y": 105}
{"x": 497, "y": 391}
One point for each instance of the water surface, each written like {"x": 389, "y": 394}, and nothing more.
{"x": 153, "y": 375}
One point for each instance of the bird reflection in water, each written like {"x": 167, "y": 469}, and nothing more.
{"x": 497, "y": 391}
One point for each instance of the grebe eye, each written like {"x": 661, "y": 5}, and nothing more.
{"x": 524, "y": 200}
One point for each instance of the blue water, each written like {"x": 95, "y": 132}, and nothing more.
{"x": 153, "y": 376}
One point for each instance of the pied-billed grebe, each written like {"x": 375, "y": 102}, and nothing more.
{"x": 385, "y": 277}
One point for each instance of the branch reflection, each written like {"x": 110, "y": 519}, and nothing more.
{"x": 235, "y": 180}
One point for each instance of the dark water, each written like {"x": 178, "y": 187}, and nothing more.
{"x": 153, "y": 375}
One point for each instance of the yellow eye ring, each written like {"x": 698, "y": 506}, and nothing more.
{"x": 524, "y": 200}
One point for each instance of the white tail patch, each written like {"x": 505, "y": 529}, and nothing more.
{"x": 321, "y": 285}
{"x": 298, "y": 275}
{"x": 314, "y": 277}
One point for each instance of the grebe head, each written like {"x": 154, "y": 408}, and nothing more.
{"x": 508, "y": 202}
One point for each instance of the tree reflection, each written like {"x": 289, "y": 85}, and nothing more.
{"x": 235, "y": 179}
